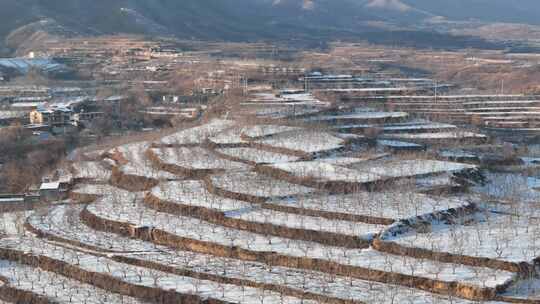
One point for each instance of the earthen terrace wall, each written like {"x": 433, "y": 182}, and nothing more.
{"x": 179, "y": 170}
{"x": 102, "y": 281}
{"x": 265, "y": 202}
{"x": 14, "y": 295}
{"x": 131, "y": 182}
{"x": 186, "y": 272}
{"x": 384, "y": 242}
{"x": 219, "y": 218}
{"x": 335, "y": 187}
{"x": 275, "y": 259}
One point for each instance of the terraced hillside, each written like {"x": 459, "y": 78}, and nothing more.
{"x": 509, "y": 114}
{"x": 271, "y": 211}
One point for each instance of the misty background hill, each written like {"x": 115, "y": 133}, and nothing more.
{"x": 515, "y": 11}
{"x": 248, "y": 20}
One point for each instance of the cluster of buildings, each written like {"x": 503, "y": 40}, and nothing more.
{"x": 75, "y": 111}
{"x": 57, "y": 113}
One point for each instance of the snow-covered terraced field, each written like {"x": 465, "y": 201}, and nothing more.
{"x": 406, "y": 168}
{"x": 384, "y": 205}
{"x": 437, "y": 136}
{"x": 197, "y": 135}
{"x": 252, "y": 184}
{"x": 282, "y": 110}
{"x": 194, "y": 158}
{"x": 252, "y": 155}
{"x": 303, "y": 142}
{"x": 64, "y": 223}
{"x": 253, "y": 213}
{"x": 484, "y": 112}
{"x": 490, "y": 235}
{"x": 231, "y": 136}
{"x": 133, "y": 161}
{"x": 137, "y": 215}
{"x": 412, "y": 127}
{"x": 318, "y": 283}
{"x": 324, "y": 171}
{"x": 147, "y": 278}
{"x": 243, "y": 135}
{"x": 57, "y": 288}
{"x": 329, "y": 175}
{"x": 189, "y": 195}
{"x": 360, "y": 117}
{"x": 260, "y": 131}
{"x": 346, "y": 161}
{"x": 308, "y": 223}
{"x": 193, "y": 193}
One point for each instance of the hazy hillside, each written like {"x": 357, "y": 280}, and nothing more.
{"x": 518, "y": 11}
{"x": 252, "y": 19}
{"x": 199, "y": 18}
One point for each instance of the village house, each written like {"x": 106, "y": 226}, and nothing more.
{"x": 51, "y": 191}
{"x": 50, "y": 116}
{"x": 70, "y": 112}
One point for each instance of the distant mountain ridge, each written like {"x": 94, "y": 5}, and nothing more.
{"x": 246, "y": 19}
{"x": 515, "y": 11}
